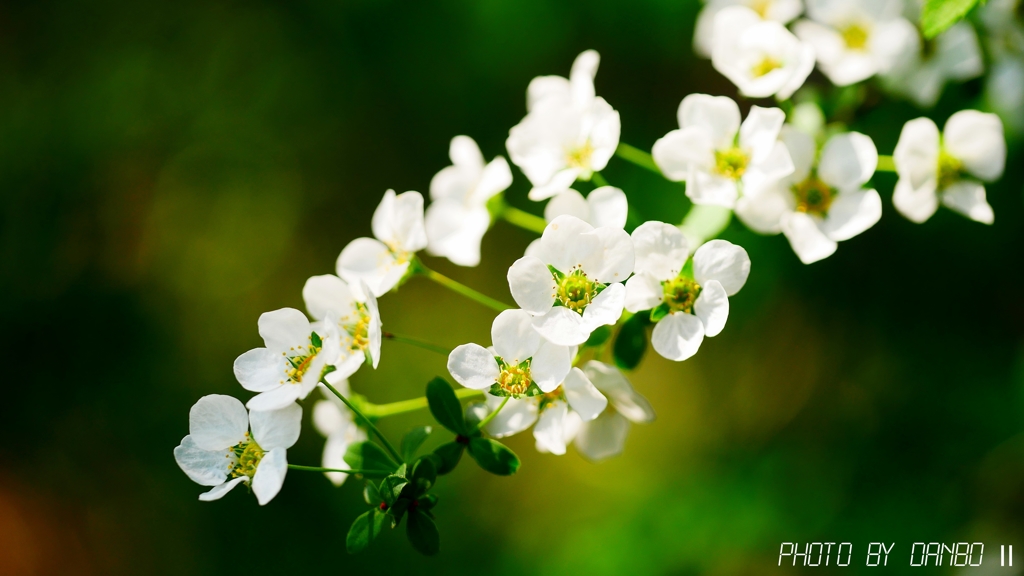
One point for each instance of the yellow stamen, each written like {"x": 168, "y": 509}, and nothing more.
{"x": 731, "y": 163}
{"x": 813, "y": 196}
{"x": 681, "y": 293}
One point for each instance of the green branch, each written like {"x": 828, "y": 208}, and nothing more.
{"x": 638, "y": 157}
{"x": 387, "y": 445}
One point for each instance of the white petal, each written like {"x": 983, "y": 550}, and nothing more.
{"x": 275, "y": 399}
{"x": 562, "y": 326}
{"x": 680, "y": 151}
{"x": 581, "y": 394}
{"x": 455, "y": 231}
{"x": 606, "y": 308}
{"x": 917, "y": 152}
{"x": 968, "y": 198}
{"x": 643, "y": 292}
{"x": 660, "y": 249}
{"x": 258, "y": 370}
{"x": 581, "y": 77}
{"x": 763, "y": 213}
{"x": 277, "y": 428}
{"x": 613, "y": 261}
{"x": 608, "y": 207}
{"x": 545, "y": 87}
{"x": 807, "y": 238}
{"x": 204, "y": 467}
{"x": 513, "y": 336}
{"x": 678, "y": 336}
{"x": 723, "y": 261}
{"x": 760, "y": 131}
{"x": 373, "y": 332}
{"x": 719, "y": 115}
{"x": 917, "y": 204}
{"x": 604, "y": 437}
{"x": 802, "y": 68}
{"x": 550, "y": 429}
{"x": 620, "y": 393}
{"x": 532, "y": 285}
{"x": 369, "y": 260}
{"x": 516, "y": 416}
{"x": 473, "y": 366}
{"x": 269, "y": 477}
{"x": 569, "y": 202}
{"x": 852, "y": 213}
{"x": 976, "y": 139}
{"x": 802, "y": 150}
{"x": 847, "y": 160}
{"x": 567, "y": 242}
{"x": 550, "y": 365}
{"x": 712, "y": 307}
{"x": 777, "y": 165}
{"x": 464, "y": 152}
{"x": 334, "y": 452}
{"x": 284, "y": 328}
{"x": 398, "y": 221}
{"x": 711, "y": 189}
{"x": 496, "y": 177}
{"x": 328, "y": 417}
{"x": 217, "y": 422}
{"x": 326, "y": 293}
{"x": 218, "y": 492}
{"x": 559, "y": 181}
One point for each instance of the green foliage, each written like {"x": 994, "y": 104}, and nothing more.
{"x": 938, "y": 15}
{"x": 445, "y": 406}
{"x": 369, "y": 456}
{"x": 413, "y": 440}
{"x": 599, "y": 336}
{"x": 493, "y": 456}
{"x": 449, "y": 455}
{"x": 631, "y": 343}
{"x": 422, "y": 533}
{"x": 364, "y": 530}
{"x": 424, "y": 474}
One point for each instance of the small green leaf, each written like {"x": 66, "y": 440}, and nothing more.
{"x": 631, "y": 343}
{"x": 659, "y": 312}
{"x": 372, "y": 495}
{"x": 556, "y": 273}
{"x": 445, "y": 406}
{"x": 424, "y": 473}
{"x": 428, "y": 501}
{"x": 599, "y": 336}
{"x": 391, "y": 488}
{"x": 398, "y": 510}
{"x": 939, "y": 15}
{"x": 369, "y": 456}
{"x": 413, "y": 440}
{"x": 422, "y": 533}
{"x": 365, "y": 528}
{"x": 493, "y": 456}
{"x": 449, "y": 454}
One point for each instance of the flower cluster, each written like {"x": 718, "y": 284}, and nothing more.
{"x": 599, "y": 283}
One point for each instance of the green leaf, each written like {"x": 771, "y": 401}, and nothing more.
{"x": 659, "y": 312}
{"x": 631, "y": 343}
{"x": 449, "y": 454}
{"x": 599, "y": 336}
{"x": 493, "y": 456}
{"x": 427, "y": 501}
{"x": 424, "y": 473}
{"x": 366, "y": 527}
{"x": 422, "y": 533}
{"x": 369, "y": 456}
{"x": 391, "y": 488}
{"x": 372, "y": 495}
{"x": 445, "y": 406}
{"x": 413, "y": 440}
{"x": 938, "y": 15}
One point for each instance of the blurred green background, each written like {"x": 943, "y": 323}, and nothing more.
{"x": 170, "y": 170}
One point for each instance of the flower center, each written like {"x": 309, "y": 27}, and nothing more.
{"x": 301, "y": 359}
{"x": 731, "y": 163}
{"x": 813, "y": 196}
{"x": 360, "y": 329}
{"x": 761, "y": 7}
{"x": 949, "y": 169}
{"x": 579, "y": 157}
{"x": 576, "y": 291}
{"x": 248, "y": 454}
{"x": 680, "y": 294}
{"x": 855, "y": 36}
{"x": 766, "y": 65}
{"x": 515, "y": 380}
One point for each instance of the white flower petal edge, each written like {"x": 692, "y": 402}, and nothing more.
{"x": 399, "y": 230}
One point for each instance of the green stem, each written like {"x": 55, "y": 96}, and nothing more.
{"x": 599, "y": 179}
{"x": 523, "y": 219}
{"x": 489, "y": 417}
{"x": 411, "y": 405}
{"x": 387, "y": 445}
{"x": 319, "y": 469}
{"x": 417, "y": 343}
{"x": 461, "y": 288}
{"x": 885, "y": 164}
{"x": 637, "y": 156}
{"x": 704, "y": 222}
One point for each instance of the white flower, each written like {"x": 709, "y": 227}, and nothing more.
{"x": 761, "y": 57}
{"x": 717, "y": 165}
{"x": 605, "y": 436}
{"x": 220, "y": 451}
{"x": 822, "y": 202}
{"x": 520, "y": 359}
{"x": 297, "y": 355}
{"x": 853, "y": 41}
{"x": 576, "y": 400}
{"x": 335, "y": 421}
{"x": 382, "y": 262}
{"x": 953, "y": 55}
{"x": 457, "y": 217}
{"x": 686, "y": 307}
{"x": 949, "y": 168}
{"x": 573, "y": 282}
{"x": 604, "y": 206}
{"x": 781, "y": 11}
{"x": 568, "y": 133}
{"x": 329, "y": 299}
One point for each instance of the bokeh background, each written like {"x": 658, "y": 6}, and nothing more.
{"x": 170, "y": 170}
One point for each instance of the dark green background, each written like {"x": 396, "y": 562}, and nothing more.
{"x": 170, "y": 170}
